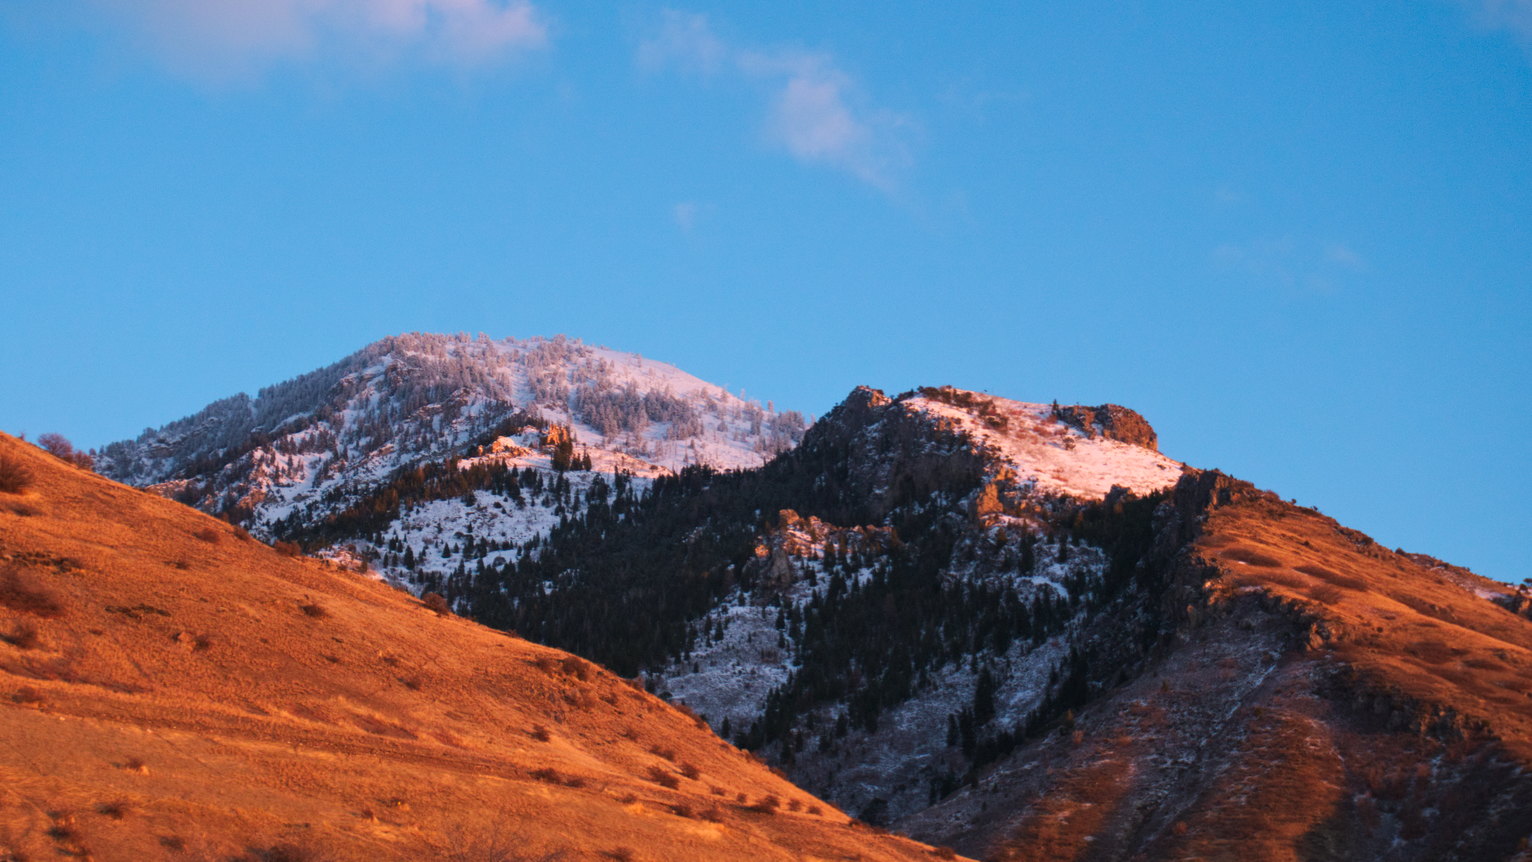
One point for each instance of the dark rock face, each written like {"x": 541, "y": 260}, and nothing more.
{"x": 1112, "y": 421}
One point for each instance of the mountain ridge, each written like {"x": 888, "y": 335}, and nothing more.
{"x": 932, "y": 590}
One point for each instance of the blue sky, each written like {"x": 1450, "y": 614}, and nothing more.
{"x": 1297, "y": 236}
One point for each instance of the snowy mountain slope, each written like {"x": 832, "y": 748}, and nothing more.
{"x": 1045, "y": 451}
{"x": 306, "y": 449}
{"x": 897, "y": 599}
{"x": 1022, "y": 631}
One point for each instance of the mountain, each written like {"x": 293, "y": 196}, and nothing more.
{"x": 381, "y": 437}
{"x": 1015, "y": 628}
{"x": 171, "y": 688}
{"x": 1020, "y": 630}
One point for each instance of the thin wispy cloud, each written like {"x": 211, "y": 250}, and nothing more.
{"x": 224, "y": 40}
{"x": 814, "y": 110}
{"x": 686, "y": 214}
{"x": 1512, "y": 15}
{"x": 1290, "y": 263}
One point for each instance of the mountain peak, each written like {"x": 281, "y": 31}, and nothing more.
{"x": 1076, "y": 450}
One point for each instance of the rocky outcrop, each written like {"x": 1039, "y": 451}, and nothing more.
{"x": 1112, "y": 421}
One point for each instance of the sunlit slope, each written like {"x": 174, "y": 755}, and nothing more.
{"x": 1323, "y": 698}
{"x": 170, "y": 689}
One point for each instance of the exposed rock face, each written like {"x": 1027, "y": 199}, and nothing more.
{"x": 1112, "y": 421}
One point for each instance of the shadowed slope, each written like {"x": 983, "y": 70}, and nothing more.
{"x": 172, "y": 689}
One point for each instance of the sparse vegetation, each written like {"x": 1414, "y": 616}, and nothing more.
{"x": 549, "y": 775}
{"x": 19, "y": 595}
{"x": 23, "y": 636}
{"x": 15, "y": 477}
{"x": 436, "y": 602}
{"x": 59, "y": 447}
{"x": 577, "y": 667}
{"x": 284, "y": 852}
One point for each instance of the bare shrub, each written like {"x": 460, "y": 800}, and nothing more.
{"x": 1326, "y": 594}
{"x": 24, "y": 636}
{"x": 15, "y": 476}
{"x": 944, "y": 852}
{"x": 682, "y": 809}
{"x": 692, "y": 714}
{"x": 662, "y": 751}
{"x": 815, "y": 810}
{"x": 577, "y": 667}
{"x": 621, "y": 854}
{"x": 663, "y": 778}
{"x": 113, "y": 810}
{"x": 208, "y": 534}
{"x": 1333, "y": 577}
{"x": 768, "y": 804}
{"x": 436, "y": 602}
{"x": 1430, "y": 651}
{"x": 1251, "y": 558}
{"x": 690, "y": 770}
{"x": 712, "y": 814}
{"x": 540, "y": 733}
{"x": 313, "y": 611}
{"x": 18, "y": 595}
{"x": 287, "y": 549}
{"x": 59, "y": 447}
{"x": 284, "y": 852}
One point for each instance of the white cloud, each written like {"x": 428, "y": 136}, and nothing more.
{"x": 1512, "y": 15}
{"x": 242, "y": 39}
{"x": 814, "y": 110}
{"x": 1344, "y": 256}
{"x": 1291, "y": 263}
{"x": 686, "y": 41}
{"x": 685, "y": 213}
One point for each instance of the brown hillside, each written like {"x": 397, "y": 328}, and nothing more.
{"x": 1323, "y": 698}
{"x": 172, "y": 689}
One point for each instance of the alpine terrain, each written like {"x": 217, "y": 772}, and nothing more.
{"x": 1014, "y": 628}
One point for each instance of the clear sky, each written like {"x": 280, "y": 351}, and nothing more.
{"x": 1296, "y": 235}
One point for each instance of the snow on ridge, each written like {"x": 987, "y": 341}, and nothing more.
{"x": 1051, "y": 455}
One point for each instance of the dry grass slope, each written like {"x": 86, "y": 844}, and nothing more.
{"x": 172, "y": 689}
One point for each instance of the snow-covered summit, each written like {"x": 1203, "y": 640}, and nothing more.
{"x": 1043, "y": 448}
{"x": 318, "y": 439}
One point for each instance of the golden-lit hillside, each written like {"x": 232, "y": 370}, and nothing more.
{"x": 1323, "y": 698}
{"x": 170, "y": 688}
